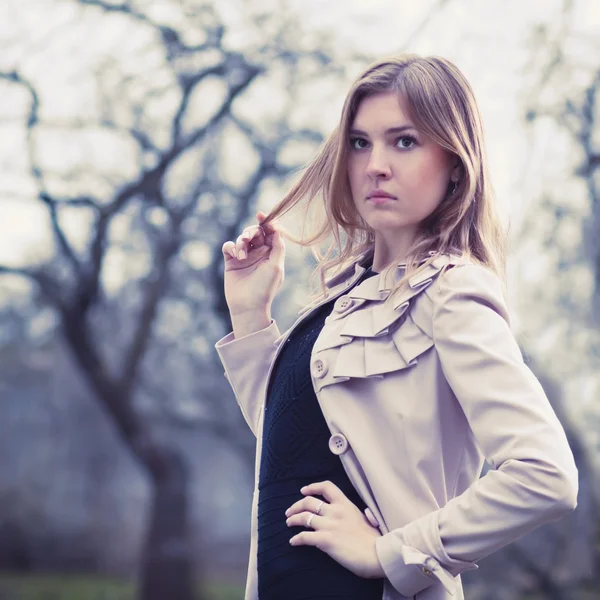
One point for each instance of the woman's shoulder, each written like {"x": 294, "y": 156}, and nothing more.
{"x": 465, "y": 284}
{"x": 456, "y": 271}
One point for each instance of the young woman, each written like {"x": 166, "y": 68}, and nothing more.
{"x": 375, "y": 410}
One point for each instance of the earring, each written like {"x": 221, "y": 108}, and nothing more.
{"x": 454, "y": 188}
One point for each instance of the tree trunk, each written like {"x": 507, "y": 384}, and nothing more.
{"x": 166, "y": 569}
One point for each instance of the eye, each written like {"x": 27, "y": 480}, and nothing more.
{"x": 407, "y": 138}
{"x": 354, "y": 140}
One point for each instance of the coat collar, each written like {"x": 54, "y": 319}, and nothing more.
{"x": 377, "y": 287}
{"x": 377, "y": 319}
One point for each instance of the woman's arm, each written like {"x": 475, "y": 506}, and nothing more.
{"x": 247, "y": 360}
{"x": 533, "y": 479}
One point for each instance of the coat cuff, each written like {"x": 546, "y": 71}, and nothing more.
{"x": 235, "y": 351}
{"x": 413, "y": 558}
{"x": 246, "y": 361}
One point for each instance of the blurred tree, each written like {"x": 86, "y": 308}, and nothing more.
{"x": 560, "y": 239}
{"x": 158, "y": 158}
{"x": 561, "y": 107}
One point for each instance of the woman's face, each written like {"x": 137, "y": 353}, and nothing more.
{"x": 387, "y": 153}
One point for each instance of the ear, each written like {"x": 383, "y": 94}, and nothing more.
{"x": 457, "y": 170}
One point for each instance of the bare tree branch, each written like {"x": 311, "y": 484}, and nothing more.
{"x": 155, "y": 290}
{"x": 50, "y": 204}
{"x": 63, "y": 244}
{"x": 48, "y": 286}
{"x": 170, "y": 37}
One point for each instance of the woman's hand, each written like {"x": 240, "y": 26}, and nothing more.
{"x": 339, "y": 529}
{"x": 254, "y": 267}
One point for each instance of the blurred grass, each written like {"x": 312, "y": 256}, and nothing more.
{"x": 89, "y": 587}
{"x": 72, "y": 587}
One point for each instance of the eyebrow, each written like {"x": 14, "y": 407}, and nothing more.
{"x": 387, "y": 131}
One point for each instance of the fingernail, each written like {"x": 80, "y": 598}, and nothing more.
{"x": 242, "y": 254}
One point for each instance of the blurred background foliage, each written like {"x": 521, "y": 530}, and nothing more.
{"x": 136, "y": 137}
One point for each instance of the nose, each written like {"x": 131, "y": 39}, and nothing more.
{"x": 378, "y": 166}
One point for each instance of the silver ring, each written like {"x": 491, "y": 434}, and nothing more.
{"x": 309, "y": 520}
{"x": 320, "y": 507}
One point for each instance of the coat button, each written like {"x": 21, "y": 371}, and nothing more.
{"x": 338, "y": 444}
{"x": 371, "y": 517}
{"x": 343, "y": 303}
{"x": 426, "y": 570}
{"x": 319, "y": 368}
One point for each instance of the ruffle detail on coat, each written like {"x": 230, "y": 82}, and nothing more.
{"x": 373, "y": 338}
{"x": 383, "y": 353}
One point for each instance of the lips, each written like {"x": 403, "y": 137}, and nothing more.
{"x": 380, "y": 199}
{"x": 379, "y": 194}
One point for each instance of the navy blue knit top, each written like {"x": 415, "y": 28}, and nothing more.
{"x": 295, "y": 452}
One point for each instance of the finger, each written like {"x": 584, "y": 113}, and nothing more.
{"x": 309, "y": 538}
{"x": 310, "y": 504}
{"x": 266, "y": 231}
{"x": 243, "y": 241}
{"x": 327, "y": 489}
{"x": 319, "y": 507}
{"x": 241, "y": 248}
{"x": 270, "y": 228}
{"x": 260, "y": 217}
{"x": 228, "y": 248}
{"x": 275, "y": 235}
{"x": 255, "y": 235}
{"x": 252, "y": 231}
{"x": 298, "y": 507}
{"x": 302, "y": 520}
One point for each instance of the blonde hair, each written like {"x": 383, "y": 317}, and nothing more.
{"x": 441, "y": 104}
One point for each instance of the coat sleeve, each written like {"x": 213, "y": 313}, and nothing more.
{"x": 533, "y": 478}
{"x": 247, "y": 361}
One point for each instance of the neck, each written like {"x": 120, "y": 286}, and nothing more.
{"x": 391, "y": 248}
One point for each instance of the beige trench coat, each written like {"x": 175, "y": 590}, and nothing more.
{"x": 416, "y": 396}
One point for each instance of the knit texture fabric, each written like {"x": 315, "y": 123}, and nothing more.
{"x": 295, "y": 452}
